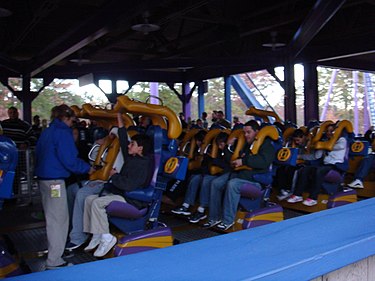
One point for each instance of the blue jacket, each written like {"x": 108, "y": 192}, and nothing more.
{"x": 56, "y": 153}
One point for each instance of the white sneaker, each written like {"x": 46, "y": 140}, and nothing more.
{"x": 105, "y": 246}
{"x": 356, "y": 184}
{"x": 93, "y": 244}
{"x": 295, "y": 199}
{"x": 309, "y": 202}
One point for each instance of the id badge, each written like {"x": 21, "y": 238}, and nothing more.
{"x": 55, "y": 190}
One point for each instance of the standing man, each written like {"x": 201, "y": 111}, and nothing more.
{"x": 18, "y": 130}
{"x": 56, "y": 159}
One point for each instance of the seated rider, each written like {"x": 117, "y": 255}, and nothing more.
{"x": 203, "y": 180}
{"x": 223, "y": 214}
{"x": 315, "y": 175}
{"x": 77, "y": 193}
{"x": 367, "y": 164}
{"x": 363, "y": 170}
{"x": 135, "y": 173}
{"x": 176, "y": 188}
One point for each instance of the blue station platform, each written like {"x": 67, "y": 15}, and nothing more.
{"x": 302, "y": 248}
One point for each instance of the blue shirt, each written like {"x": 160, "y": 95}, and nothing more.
{"x": 56, "y": 153}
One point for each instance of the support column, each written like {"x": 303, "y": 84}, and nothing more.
{"x": 355, "y": 93}
{"x": 26, "y": 98}
{"x": 227, "y": 99}
{"x": 311, "y": 93}
{"x": 290, "y": 92}
{"x": 186, "y": 99}
{"x": 154, "y": 92}
{"x": 330, "y": 89}
{"x": 366, "y": 116}
{"x": 202, "y": 89}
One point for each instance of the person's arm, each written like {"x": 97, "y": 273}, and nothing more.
{"x": 122, "y": 135}
{"x": 68, "y": 154}
{"x": 120, "y": 121}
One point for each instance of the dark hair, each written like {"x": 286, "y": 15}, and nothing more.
{"x": 253, "y": 124}
{"x": 100, "y": 133}
{"x": 221, "y": 137}
{"x": 200, "y": 135}
{"x": 62, "y": 111}
{"x": 145, "y": 141}
{"x": 298, "y": 133}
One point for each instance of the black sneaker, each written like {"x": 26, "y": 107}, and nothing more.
{"x": 196, "y": 217}
{"x": 284, "y": 194}
{"x": 223, "y": 226}
{"x": 211, "y": 223}
{"x": 71, "y": 246}
{"x": 181, "y": 211}
{"x": 65, "y": 264}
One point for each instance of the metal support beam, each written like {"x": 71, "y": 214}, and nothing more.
{"x": 321, "y": 13}
{"x": 355, "y": 94}
{"x": 26, "y": 96}
{"x": 186, "y": 95}
{"x": 154, "y": 92}
{"x": 330, "y": 89}
{"x": 227, "y": 99}
{"x": 94, "y": 28}
{"x": 290, "y": 92}
{"x": 311, "y": 92}
{"x": 202, "y": 89}
{"x": 9, "y": 64}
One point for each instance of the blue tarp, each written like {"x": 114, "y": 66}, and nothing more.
{"x": 296, "y": 249}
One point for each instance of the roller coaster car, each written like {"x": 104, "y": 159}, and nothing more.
{"x": 8, "y": 163}
{"x": 334, "y": 194}
{"x": 188, "y": 148}
{"x": 254, "y": 208}
{"x": 142, "y": 224}
{"x": 358, "y": 151}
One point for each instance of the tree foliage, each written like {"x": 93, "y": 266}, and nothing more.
{"x": 341, "y": 104}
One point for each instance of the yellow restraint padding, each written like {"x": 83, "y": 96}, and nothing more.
{"x": 266, "y": 132}
{"x": 320, "y": 132}
{"x": 188, "y": 139}
{"x": 131, "y": 106}
{"x": 264, "y": 114}
{"x": 76, "y": 110}
{"x": 106, "y": 118}
{"x": 328, "y": 145}
{"x": 103, "y": 173}
{"x": 210, "y": 139}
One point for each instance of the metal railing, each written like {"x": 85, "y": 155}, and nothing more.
{"x": 25, "y": 185}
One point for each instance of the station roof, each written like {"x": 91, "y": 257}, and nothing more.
{"x": 195, "y": 40}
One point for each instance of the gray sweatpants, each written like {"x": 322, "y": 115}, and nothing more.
{"x": 57, "y": 220}
{"x": 95, "y": 218}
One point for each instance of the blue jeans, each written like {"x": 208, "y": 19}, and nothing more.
{"x": 364, "y": 168}
{"x": 217, "y": 189}
{"x": 76, "y": 235}
{"x": 232, "y": 198}
{"x": 204, "y": 181}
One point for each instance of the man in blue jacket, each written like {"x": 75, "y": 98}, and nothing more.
{"x": 56, "y": 159}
